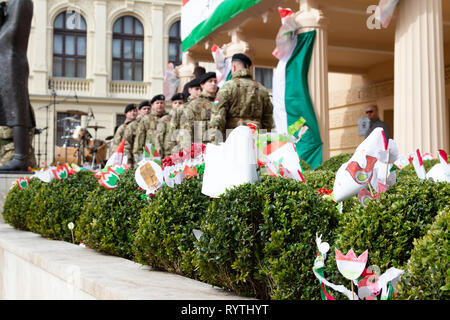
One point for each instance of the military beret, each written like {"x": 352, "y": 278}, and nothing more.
{"x": 207, "y": 76}
{"x": 193, "y": 83}
{"x": 143, "y": 104}
{"x": 178, "y": 96}
{"x": 158, "y": 97}
{"x": 131, "y": 106}
{"x": 243, "y": 58}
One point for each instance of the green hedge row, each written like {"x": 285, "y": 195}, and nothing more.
{"x": 258, "y": 239}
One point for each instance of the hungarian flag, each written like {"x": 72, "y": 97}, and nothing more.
{"x": 291, "y": 97}
{"x": 201, "y": 17}
{"x": 117, "y": 156}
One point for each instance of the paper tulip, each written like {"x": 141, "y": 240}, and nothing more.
{"x": 350, "y": 266}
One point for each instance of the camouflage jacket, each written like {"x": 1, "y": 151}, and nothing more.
{"x": 130, "y": 135}
{"x": 120, "y": 133}
{"x": 194, "y": 121}
{"x": 146, "y": 133}
{"x": 167, "y": 133}
{"x": 241, "y": 100}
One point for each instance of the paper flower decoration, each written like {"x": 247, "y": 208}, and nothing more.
{"x": 60, "y": 172}
{"x": 22, "y": 183}
{"x": 149, "y": 176}
{"x": 439, "y": 173}
{"x": 109, "y": 179}
{"x": 350, "y": 266}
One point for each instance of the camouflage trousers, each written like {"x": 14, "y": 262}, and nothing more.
{"x": 7, "y": 146}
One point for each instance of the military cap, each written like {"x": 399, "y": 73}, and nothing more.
{"x": 207, "y": 76}
{"x": 178, "y": 96}
{"x": 131, "y": 106}
{"x": 243, "y": 58}
{"x": 193, "y": 83}
{"x": 158, "y": 97}
{"x": 143, "y": 104}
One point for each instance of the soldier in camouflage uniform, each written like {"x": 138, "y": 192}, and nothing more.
{"x": 240, "y": 101}
{"x": 7, "y": 146}
{"x": 168, "y": 132}
{"x": 130, "y": 115}
{"x": 147, "y": 128}
{"x": 144, "y": 108}
{"x": 197, "y": 113}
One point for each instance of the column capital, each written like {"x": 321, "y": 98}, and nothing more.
{"x": 237, "y": 44}
{"x": 310, "y": 18}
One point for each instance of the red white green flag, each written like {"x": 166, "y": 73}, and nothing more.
{"x": 201, "y": 17}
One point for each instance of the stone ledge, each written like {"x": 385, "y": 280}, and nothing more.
{"x": 32, "y": 267}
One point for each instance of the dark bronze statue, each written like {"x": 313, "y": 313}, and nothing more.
{"x": 15, "y": 107}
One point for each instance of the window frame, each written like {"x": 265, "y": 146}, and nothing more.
{"x": 122, "y": 36}
{"x": 75, "y": 33}
{"x": 177, "y": 41}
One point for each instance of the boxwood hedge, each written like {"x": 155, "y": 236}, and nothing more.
{"x": 389, "y": 226}
{"x": 165, "y": 238}
{"x": 16, "y": 208}
{"x": 109, "y": 219}
{"x": 427, "y": 274}
{"x": 59, "y": 202}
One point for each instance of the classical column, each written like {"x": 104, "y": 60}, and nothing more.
{"x": 158, "y": 65}
{"x": 310, "y": 18}
{"x": 237, "y": 45}
{"x": 420, "y": 119}
{"x": 99, "y": 55}
{"x": 185, "y": 71}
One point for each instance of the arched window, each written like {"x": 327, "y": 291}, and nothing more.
{"x": 128, "y": 49}
{"x": 175, "y": 44}
{"x": 69, "y": 45}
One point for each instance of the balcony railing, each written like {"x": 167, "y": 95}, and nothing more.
{"x": 128, "y": 89}
{"x": 72, "y": 85}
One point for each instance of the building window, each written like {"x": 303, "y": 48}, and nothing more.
{"x": 69, "y": 45}
{"x": 264, "y": 76}
{"x": 120, "y": 119}
{"x": 175, "y": 50}
{"x": 128, "y": 49}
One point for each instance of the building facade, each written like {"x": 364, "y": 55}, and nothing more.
{"x": 89, "y": 59}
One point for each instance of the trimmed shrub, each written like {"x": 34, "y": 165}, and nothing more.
{"x": 320, "y": 179}
{"x": 334, "y": 163}
{"x": 427, "y": 274}
{"x": 110, "y": 217}
{"x": 165, "y": 238}
{"x": 59, "y": 202}
{"x": 293, "y": 214}
{"x": 305, "y": 165}
{"x": 230, "y": 250}
{"x": 17, "y": 204}
{"x": 259, "y": 239}
{"x": 388, "y": 227}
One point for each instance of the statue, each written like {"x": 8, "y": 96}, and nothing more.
{"x": 15, "y": 107}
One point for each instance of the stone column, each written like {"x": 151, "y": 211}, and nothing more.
{"x": 310, "y": 18}
{"x": 100, "y": 55}
{"x": 38, "y": 63}
{"x": 420, "y": 119}
{"x": 158, "y": 65}
{"x": 185, "y": 71}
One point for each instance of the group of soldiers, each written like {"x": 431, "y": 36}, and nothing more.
{"x": 204, "y": 115}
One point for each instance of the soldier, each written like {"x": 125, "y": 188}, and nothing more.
{"x": 144, "y": 108}
{"x": 240, "y": 101}
{"x": 192, "y": 90}
{"x": 146, "y": 130}
{"x": 177, "y": 101}
{"x": 130, "y": 115}
{"x": 197, "y": 113}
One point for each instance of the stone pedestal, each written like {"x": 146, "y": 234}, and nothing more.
{"x": 420, "y": 118}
